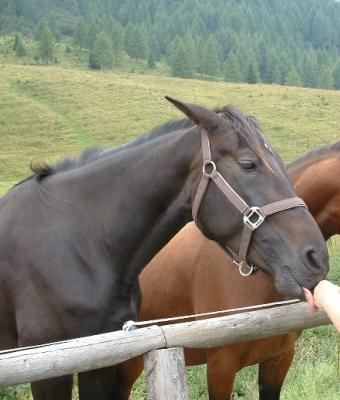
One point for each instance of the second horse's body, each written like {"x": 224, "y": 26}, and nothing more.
{"x": 193, "y": 275}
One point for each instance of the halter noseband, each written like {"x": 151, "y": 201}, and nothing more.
{"x": 253, "y": 217}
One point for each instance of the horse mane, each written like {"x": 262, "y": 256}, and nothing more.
{"x": 245, "y": 125}
{"x": 319, "y": 153}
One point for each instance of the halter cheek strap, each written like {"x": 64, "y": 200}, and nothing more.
{"x": 253, "y": 217}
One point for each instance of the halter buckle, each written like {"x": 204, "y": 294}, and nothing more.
{"x": 240, "y": 268}
{"x": 253, "y": 218}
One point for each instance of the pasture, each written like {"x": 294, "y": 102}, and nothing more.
{"x": 47, "y": 112}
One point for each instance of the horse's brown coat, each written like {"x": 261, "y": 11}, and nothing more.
{"x": 193, "y": 275}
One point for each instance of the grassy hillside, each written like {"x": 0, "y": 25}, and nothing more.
{"x": 48, "y": 112}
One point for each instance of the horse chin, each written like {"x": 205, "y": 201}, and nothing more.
{"x": 287, "y": 285}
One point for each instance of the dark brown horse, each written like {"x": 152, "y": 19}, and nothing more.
{"x": 75, "y": 236}
{"x": 192, "y": 275}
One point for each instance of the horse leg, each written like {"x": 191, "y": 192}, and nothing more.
{"x": 112, "y": 383}
{"x": 53, "y": 389}
{"x": 98, "y": 384}
{"x": 221, "y": 370}
{"x": 272, "y": 374}
{"x": 8, "y": 337}
{"x": 125, "y": 376}
{"x": 8, "y": 328}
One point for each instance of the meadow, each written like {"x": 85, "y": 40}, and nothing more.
{"x": 50, "y": 111}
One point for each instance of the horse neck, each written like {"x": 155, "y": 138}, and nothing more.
{"x": 141, "y": 197}
{"x": 318, "y": 183}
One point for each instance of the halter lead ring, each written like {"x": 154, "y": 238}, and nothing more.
{"x": 241, "y": 265}
{"x": 253, "y": 217}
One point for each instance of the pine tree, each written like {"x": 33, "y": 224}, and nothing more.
{"x": 16, "y": 41}
{"x": 320, "y": 31}
{"x": 252, "y": 72}
{"x": 92, "y": 34}
{"x": 52, "y": 24}
{"x": 272, "y": 71}
{"x": 190, "y": 48}
{"x": 154, "y": 48}
{"x": 310, "y": 69}
{"x": 136, "y": 44}
{"x": 20, "y": 50}
{"x": 151, "y": 61}
{"x": 211, "y": 63}
{"x": 72, "y": 6}
{"x": 45, "y": 46}
{"x": 263, "y": 61}
{"x": 337, "y": 76}
{"x": 276, "y": 76}
{"x": 293, "y": 77}
{"x": 117, "y": 41}
{"x": 129, "y": 39}
{"x": 143, "y": 43}
{"x": 39, "y": 31}
{"x": 326, "y": 80}
{"x": 80, "y": 34}
{"x": 19, "y": 47}
{"x": 100, "y": 56}
{"x": 200, "y": 50}
{"x": 179, "y": 61}
{"x": 232, "y": 70}
{"x": 284, "y": 64}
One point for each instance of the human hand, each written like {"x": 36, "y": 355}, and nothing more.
{"x": 325, "y": 295}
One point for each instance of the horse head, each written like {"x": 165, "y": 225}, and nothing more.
{"x": 256, "y": 212}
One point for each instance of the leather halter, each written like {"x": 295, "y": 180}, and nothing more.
{"x": 253, "y": 217}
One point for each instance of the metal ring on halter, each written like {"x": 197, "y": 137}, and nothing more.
{"x": 240, "y": 266}
{"x": 208, "y": 164}
{"x": 250, "y": 269}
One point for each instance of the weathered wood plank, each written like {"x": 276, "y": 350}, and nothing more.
{"x": 165, "y": 374}
{"x": 243, "y": 327}
{"x": 76, "y": 355}
{"x": 99, "y": 351}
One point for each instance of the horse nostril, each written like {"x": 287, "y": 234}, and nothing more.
{"x": 311, "y": 258}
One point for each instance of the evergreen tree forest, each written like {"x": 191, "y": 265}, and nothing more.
{"x": 290, "y": 42}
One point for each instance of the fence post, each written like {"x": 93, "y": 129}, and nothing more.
{"x": 165, "y": 374}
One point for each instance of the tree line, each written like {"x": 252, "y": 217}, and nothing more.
{"x": 291, "y": 42}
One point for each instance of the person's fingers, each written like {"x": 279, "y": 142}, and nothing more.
{"x": 310, "y": 299}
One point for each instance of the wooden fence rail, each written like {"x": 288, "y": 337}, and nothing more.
{"x": 92, "y": 352}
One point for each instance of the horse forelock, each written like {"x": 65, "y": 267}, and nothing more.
{"x": 246, "y": 126}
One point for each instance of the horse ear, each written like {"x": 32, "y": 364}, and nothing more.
{"x": 199, "y": 115}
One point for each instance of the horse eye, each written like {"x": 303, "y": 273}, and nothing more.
{"x": 248, "y": 165}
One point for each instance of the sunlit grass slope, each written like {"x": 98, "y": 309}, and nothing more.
{"x": 46, "y": 112}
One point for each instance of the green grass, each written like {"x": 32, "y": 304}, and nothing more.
{"x": 48, "y": 112}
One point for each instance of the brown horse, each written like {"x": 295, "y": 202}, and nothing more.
{"x": 193, "y": 275}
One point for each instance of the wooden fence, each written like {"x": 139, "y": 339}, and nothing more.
{"x": 162, "y": 347}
